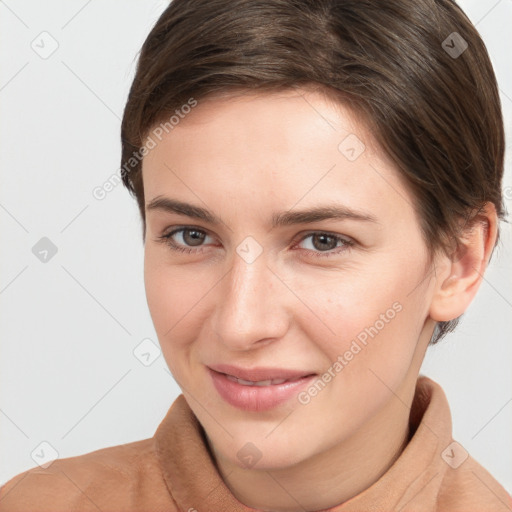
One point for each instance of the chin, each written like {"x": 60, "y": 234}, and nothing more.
{"x": 248, "y": 449}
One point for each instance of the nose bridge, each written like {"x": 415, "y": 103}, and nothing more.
{"x": 248, "y": 311}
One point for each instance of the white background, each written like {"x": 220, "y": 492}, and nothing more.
{"x": 68, "y": 375}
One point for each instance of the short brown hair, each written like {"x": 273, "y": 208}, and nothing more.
{"x": 416, "y": 71}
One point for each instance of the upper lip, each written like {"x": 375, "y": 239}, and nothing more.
{"x": 259, "y": 373}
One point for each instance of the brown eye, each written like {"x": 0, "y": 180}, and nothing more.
{"x": 324, "y": 244}
{"x": 193, "y": 237}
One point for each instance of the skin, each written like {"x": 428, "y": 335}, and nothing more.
{"x": 243, "y": 158}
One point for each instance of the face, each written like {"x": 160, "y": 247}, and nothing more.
{"x": 299, "y": 258}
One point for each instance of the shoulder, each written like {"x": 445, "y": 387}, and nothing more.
{"x": 124, "y": 477}
{"x": 470, "y": 487}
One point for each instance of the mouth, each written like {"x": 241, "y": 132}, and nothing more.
{"x": 270, "y": 382}
{"x": 258, "y": 389}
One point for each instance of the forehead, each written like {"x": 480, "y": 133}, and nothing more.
{"x": 280, "y": 147}
{"x": 287, "y": 112}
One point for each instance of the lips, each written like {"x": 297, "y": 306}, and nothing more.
{"x": 260, "y": 374}
{"x": 258, "y": 389}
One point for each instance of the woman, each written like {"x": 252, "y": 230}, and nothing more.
{"x": 320, "y": 189}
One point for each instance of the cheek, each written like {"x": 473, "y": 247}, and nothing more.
{"x": 159, "y": 295}
{"x": 177, "y": 298}
{"x": 374, "y": 323}
{"x": 367, "y": 360}
{"x": 169, "y": 296}
{"x": 374, "y": 336}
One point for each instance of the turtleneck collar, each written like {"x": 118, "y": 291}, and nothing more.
{"x": 413, "y": 482}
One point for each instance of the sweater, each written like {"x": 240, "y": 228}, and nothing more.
{"x": 175, "y": 471}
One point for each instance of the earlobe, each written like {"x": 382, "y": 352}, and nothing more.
{"x": 457, "y": 286}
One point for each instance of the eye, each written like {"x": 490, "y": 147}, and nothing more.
{"x": 324, "y": 244}
{"x": 192, "y": 236}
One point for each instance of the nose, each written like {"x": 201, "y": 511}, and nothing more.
{"x": 252, "y": 305}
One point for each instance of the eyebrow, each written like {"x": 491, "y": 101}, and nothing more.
{"x": 279, "y": 219}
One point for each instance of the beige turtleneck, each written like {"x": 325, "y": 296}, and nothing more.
{"x": 174, "y": 471}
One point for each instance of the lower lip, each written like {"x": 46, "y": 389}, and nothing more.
{"x": 256, "y": 398}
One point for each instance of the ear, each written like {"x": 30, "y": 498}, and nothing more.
{"x": 462, "y": 272}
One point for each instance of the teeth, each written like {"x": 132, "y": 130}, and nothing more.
{"x": 246, "y": 382}
{"x": 263, "y": 383}
{"x": 260, "y": 382}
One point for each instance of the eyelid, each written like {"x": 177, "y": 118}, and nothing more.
{"x": 177, "y": 229}
{"x": 303, "y": 234}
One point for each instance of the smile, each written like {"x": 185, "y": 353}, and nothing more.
{"x": 259, "y": 389}
{"x": 271, "y": 382}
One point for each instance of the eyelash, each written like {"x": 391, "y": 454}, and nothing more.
{"x": 347, "y": 244}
